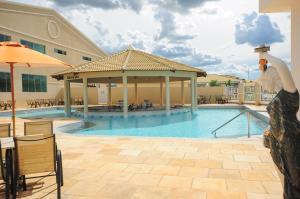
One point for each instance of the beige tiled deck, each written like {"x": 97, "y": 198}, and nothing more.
{"x": 138, "y": 168}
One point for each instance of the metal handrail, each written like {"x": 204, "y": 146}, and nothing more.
{"x": 246, "y": 111}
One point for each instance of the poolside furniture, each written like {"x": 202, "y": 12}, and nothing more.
{"x": 9, "y": 104}
{"x": 80, "y": 101}
{"x": 147, "y": 104}
{"x": 4, "y": 130}
{"x": 120, "y": 104}
{"x": 38, "y": 127}
{"x": 4, "y": 175}
{"x": 2, "y": 105}
{"x": 37, "y": 154}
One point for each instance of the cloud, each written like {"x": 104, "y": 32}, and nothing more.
{"x": 180, "y": 6}
{"x": 135, "y": 5}
{"x": 168, "y": 28}
{"x": 186, "y": 54}
{"x": 256, "y": 30}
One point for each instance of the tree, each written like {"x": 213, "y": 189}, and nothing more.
{"x": 213, "y": 83}
{"x": 228, "y": 83}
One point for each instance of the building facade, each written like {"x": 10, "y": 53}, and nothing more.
{"x": 45, "y": 31}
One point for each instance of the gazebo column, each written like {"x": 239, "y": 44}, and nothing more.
{"x": 182, "y": 92}
{"x": 125, "y": 95}
{"x": 135, "y": 93}
{"x": 67, "y": 96}
{"x": 192, "y": 82}
{"x": 85, "y": 98}
{"x": 109, "y": 94}
{"x": 196, "y": 92}
{"x": 168, "y": 98}
{"x": 161, "y": 94}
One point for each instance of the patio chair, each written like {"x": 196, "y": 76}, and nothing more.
{"x": 4, "y": 175}
{"x": 37, "y": 154}
{"x": 80, "y": 101}
{"x": 147, "y": 104}
{"x": 38, "y": 127}
{"x": 9, "y": 104}
{"x": 4, "y": 130}
{"x": 120, "y": 104}
{"x": 2, "y": 105}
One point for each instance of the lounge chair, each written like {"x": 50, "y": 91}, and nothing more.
{"x": 4, "y": 175}
{"x": 38, "y": 127}
{"x": 2, "y": 105}
{"x": 120, "y": 104}
{"x": 9, "y": 104}
{"x": 147, "y": 104}
{"x": 37, "y": 154}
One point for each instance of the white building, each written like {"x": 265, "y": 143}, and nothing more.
{"x": 46, "y": 31}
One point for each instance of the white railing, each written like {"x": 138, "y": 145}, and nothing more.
{"x": 249, "y": 93}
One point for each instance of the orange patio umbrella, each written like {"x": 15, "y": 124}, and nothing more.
{"x": 15, "y": 54}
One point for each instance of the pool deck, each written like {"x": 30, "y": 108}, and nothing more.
{"x": 142, "y": 168}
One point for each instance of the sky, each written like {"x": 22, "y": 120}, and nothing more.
{"x": 218, "y": 36}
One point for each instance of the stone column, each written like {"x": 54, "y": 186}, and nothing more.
{"x": 196, "y": 91}
{"x": 241, "y": 93}
{"x": 182, "y": 92}
{"x": 168, "y": 99}
{"x": 125, "y": 96}
{"x": 67, "y": 96}
{"x": 257, "y": 93}
{"x": 192, "y": 82}
{"x": 85, "y": 98}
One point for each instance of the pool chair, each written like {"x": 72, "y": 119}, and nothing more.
{"x": 4, "y": 175}
{"x": 147, "y": 104}
{"x": 2, "y": 105}
{"x": 36, "y": 156}
{"x": 38, "y": 127}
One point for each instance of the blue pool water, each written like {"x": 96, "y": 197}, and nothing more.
{"x": 197, "y": 124}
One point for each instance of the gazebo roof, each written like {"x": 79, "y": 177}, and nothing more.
{"x": 130, "y": 60}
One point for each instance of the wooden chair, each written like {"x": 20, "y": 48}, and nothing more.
{"x": 4, "y": 175}
{"x": 37, "y": 154}
{"x": 44, "y": 127}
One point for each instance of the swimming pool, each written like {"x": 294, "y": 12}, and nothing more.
{"x": 197, "y": 124}
{"x": 182, "y": 123}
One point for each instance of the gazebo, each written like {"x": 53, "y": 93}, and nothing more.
{"x": 130, "y": 66}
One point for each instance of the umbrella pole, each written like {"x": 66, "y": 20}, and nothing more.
{"x": 13, "y": 116}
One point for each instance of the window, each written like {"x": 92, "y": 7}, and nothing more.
{"x": 34, "y": 83}
{"x": 58, "y": 51}
{"x": 4, "y": 38}
{"x": 86, "y": 58}
{"x": 4, "y": 82}
{"x": 34, "y": 46}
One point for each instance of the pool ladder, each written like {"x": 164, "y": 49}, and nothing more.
{"x": 214, "y": 132}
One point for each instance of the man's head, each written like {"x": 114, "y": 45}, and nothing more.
{"x": 263, "y": 65}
